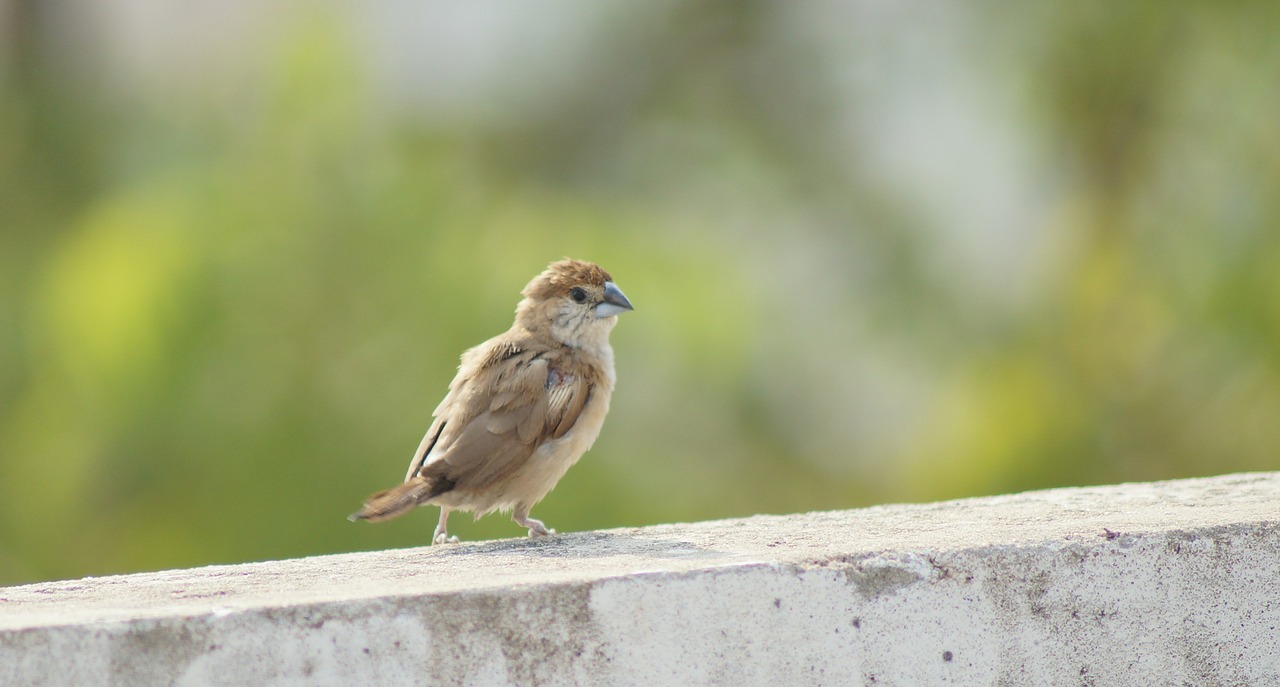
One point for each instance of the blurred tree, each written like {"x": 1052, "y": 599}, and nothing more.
{"x": 877, "y": 253}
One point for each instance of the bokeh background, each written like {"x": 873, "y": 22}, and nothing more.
{"x": 880, "y": 251}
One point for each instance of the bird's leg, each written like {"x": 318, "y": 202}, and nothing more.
{"x": 536, "y": 528}
{"x": 442, "y": 533}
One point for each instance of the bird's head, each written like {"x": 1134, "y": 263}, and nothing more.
{"x": 576, "y": 302}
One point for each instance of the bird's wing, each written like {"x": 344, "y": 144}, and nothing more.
{"x": 565, "y": 402}
{"x": 512, "y": 408}
{"x": 474, "y": 380}
{"x": 424, "y": 448}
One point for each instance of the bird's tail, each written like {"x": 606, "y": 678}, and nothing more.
{"x": 395, "y": 501}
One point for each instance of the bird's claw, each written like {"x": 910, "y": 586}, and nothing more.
{"x": 540, "y": 530}
{"x": 444, "y": 538}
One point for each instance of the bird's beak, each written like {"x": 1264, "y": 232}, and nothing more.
{"x": 615, "y": 302}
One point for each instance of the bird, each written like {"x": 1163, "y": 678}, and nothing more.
{"x": 523, "y": 408}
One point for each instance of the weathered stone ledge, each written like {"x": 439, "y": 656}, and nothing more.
{"x": 1166, "y": 583}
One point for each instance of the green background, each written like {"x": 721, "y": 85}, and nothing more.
{"x": 878, "y": 253}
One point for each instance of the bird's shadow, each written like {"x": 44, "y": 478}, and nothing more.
{"x": 581, "y": 545}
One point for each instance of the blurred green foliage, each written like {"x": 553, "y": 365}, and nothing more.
{"x": 227, "y": 312}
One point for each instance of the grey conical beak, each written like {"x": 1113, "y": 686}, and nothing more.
{"x": 615, "y": 302}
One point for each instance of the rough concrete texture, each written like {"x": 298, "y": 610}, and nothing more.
{"x": 1173, "y": 583}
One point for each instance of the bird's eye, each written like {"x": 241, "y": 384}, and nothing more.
{"x": 578, "y": 295}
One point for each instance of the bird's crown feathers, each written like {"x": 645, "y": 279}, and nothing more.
{"x": 560, "y": 277}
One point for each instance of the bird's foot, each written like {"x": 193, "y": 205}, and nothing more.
{"x": 443, "y": 537}
{"x": 536, "y": 528}
{"x": 540, "y": 531}
{"x": 442, "y": 529}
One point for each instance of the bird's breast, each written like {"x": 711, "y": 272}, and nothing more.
{"x": 553, "y": 458}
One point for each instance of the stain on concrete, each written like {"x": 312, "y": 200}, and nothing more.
{"x": 156, "y": 652}
{"x": 878, "y": 580}
{"x": 536, "y": 635}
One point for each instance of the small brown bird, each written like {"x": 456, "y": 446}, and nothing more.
{"x": 524, "y": 406}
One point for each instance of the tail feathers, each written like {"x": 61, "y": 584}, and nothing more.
{"x": 395, "y": 501}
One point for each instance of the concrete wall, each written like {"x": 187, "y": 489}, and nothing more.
{"x": 1172, "y": 583}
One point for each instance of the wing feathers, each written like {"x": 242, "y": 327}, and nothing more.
{"x": 505, "y": 402}
{"x": 571, "y": 403}
{"x": 424, "y": 448}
